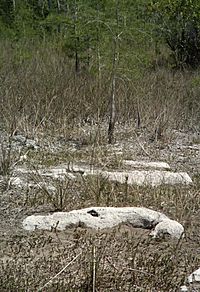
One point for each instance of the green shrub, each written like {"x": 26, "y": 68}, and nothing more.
{"x": 178, "y": 23}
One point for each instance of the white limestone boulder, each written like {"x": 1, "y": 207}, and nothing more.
{"x": 168, "y": 227}
{"x": 106, "y": 217}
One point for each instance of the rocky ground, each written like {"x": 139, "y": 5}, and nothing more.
{"x": 44, "y": 174}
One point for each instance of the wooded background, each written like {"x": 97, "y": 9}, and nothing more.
{"x": 93, "y": 59}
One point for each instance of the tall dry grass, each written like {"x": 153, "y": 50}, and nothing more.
{"x": 41, "y": 94}
{"x": 40, "y": 91}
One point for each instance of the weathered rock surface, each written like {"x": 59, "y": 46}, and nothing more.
{"x": 20, "y": 183}
{"x": 107, "y": 217}
{"x": 151, "y": 177}
{"x": 21, "y": 140}
{"x": 133, "y": 177}
{"x": 146, "y": 164}
{"x": 140, "y": 177}
{"x": 194, "y": 277}
{"x": 193, "y": 284}
{"x": 168, "y": 227}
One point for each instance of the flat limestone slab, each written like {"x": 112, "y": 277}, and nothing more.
{"x": 106, "y": 217}
{"x": 146, "y": 164}
{"x": 149, "y": 177}
{"x": 133, "y": 177}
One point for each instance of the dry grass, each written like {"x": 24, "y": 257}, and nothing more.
{"x": 41, "y": 97}
{"x": 126, "y": 259}
{"x": 41, "y": 92}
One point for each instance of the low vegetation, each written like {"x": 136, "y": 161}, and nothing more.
{"x": 72, "y": 72}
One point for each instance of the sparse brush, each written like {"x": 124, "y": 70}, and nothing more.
{"x": 6, "y": 159}
{"x": 9, "y": 157}
{"x": 55, "y": 192}
{"x": 42, "y": 96}
{"x": 161, "y": 98}
{"x": 123, "y": 258}
{"x": 84, "y": 261}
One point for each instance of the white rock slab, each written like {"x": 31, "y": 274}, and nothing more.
{"x": 58, "y": 173}
{"x": 145, "y": 177}
{"x": 106, "y": 217}
{"x": 194, "y": 277}
{"x": 146, "y": 164}
{"x": 20, "y": 183}
{"x": 133, "y": 177}
{"x": 193, "y": 282}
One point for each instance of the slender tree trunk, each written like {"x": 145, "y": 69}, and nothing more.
{"x": 58, "y": 6}
{"x": 138, "y": 122}
{"x": 88, "y": 52}
{"x": 77, "y": 59}
{"x": 112, "y": 120}
{"x": 14, "y": 5}
{"x": 59, "y": 12}
{"x": 49, "y": 4}
{"x": 98, "y": 63}
{"x": 98, "y": 50}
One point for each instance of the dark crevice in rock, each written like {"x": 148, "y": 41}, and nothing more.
{"x": 93, "y": 213}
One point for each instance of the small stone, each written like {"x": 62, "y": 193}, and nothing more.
{"x": 183, "y": 288}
